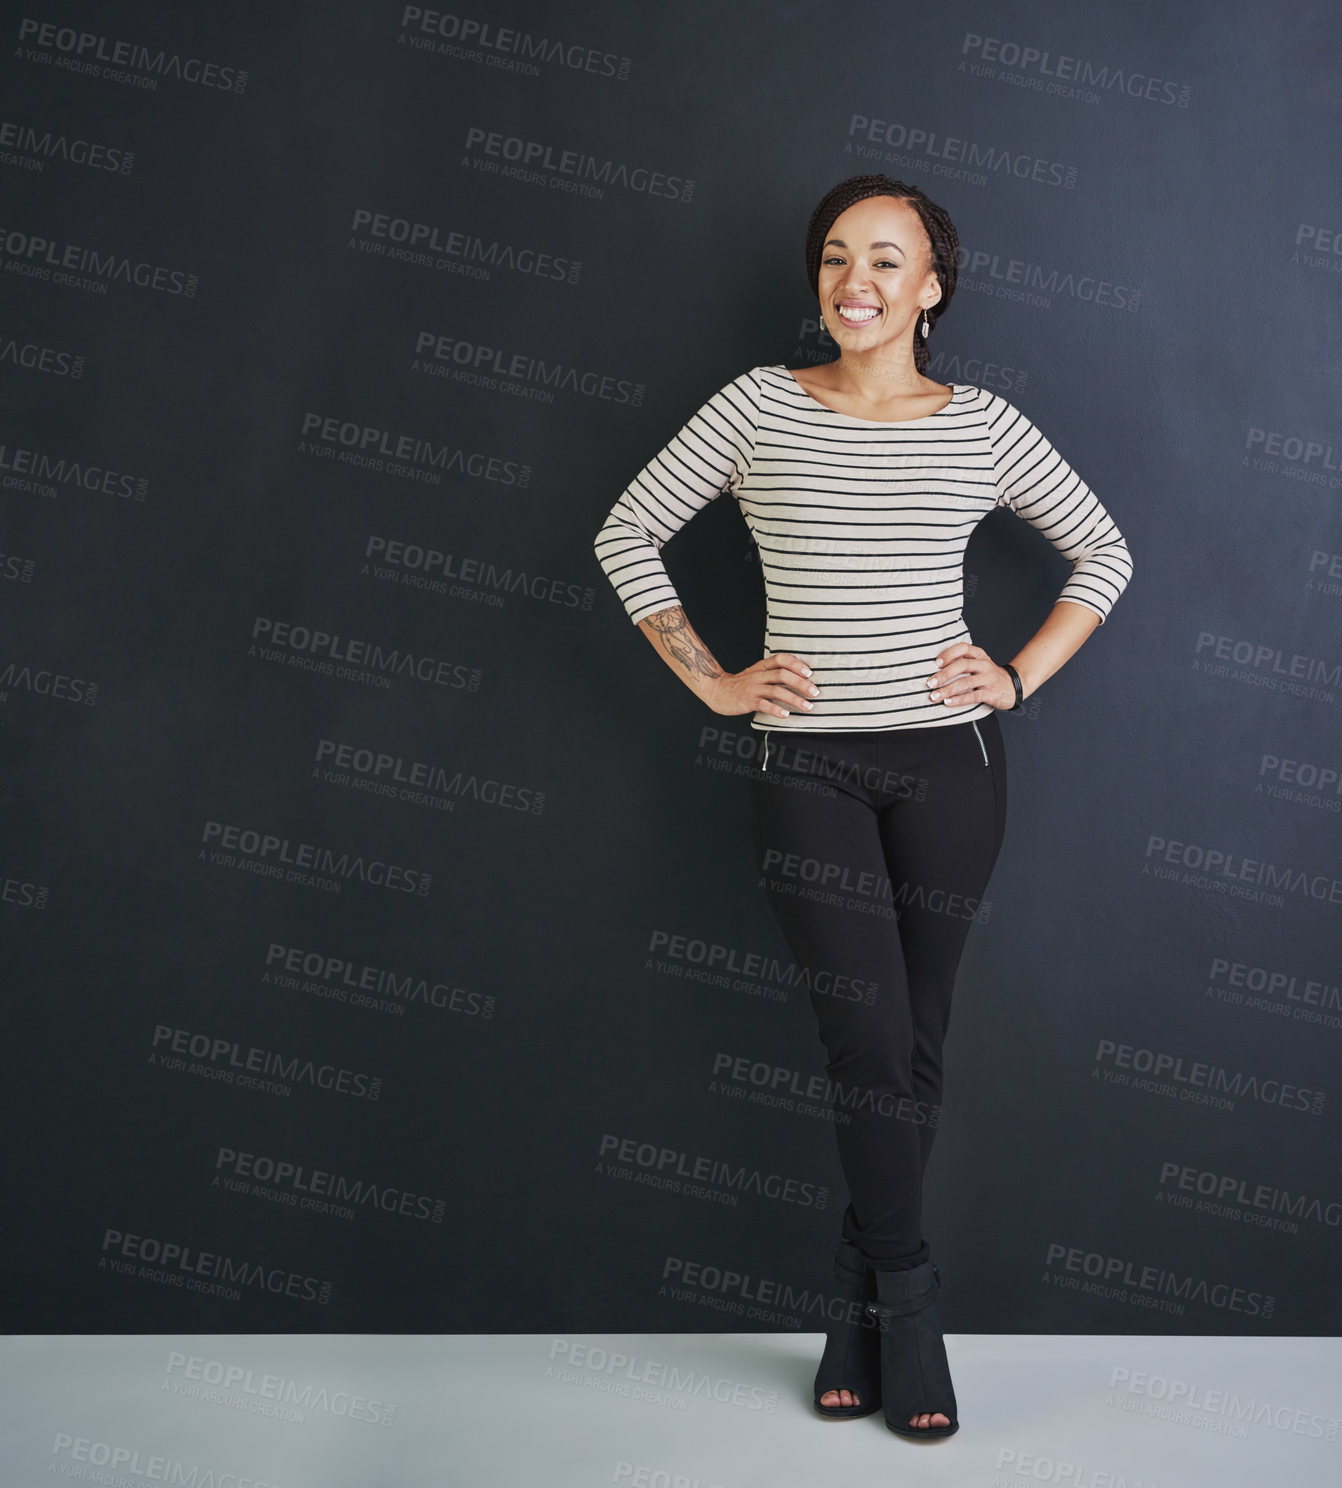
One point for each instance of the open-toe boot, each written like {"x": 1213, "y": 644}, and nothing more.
{"x": 852, "y": 1357}
{"x": 915, "y": 1374}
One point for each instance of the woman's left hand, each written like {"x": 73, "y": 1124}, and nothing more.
{"x": 967, "y": 675}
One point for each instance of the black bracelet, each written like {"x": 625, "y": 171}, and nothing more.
{"x": 1015, "y": 682}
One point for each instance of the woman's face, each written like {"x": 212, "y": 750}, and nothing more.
{"x": 876, "y": 275}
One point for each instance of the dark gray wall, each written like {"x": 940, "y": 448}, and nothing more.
{"x": 338, "y": 875}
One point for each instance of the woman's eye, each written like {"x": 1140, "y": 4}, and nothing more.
{"x": 834, "y": 260}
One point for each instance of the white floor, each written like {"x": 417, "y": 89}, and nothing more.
{"x": 655, "y": 1411}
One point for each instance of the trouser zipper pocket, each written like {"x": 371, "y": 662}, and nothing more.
{"x": 764, "y": 764}
{"x": 983, "y": 748}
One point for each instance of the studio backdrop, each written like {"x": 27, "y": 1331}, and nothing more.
{"x": 383, "y": 948}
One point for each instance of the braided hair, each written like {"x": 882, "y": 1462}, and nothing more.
{"x": 940, "y": 230}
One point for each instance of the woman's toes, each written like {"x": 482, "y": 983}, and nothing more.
{"x": 839, "y": 1397}
{"x": 925, "y": 1420}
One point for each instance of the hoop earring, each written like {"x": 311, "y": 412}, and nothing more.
{"x": 926, "y": 326}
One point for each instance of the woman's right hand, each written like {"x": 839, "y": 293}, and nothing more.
{"x": 777, "y": 685}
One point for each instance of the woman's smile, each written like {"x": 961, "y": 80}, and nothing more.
{"x": 855, "y": 313}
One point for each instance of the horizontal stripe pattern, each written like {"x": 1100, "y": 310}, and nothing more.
{"x": 861, "y": 529}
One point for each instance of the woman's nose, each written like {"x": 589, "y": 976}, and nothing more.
{"x": 856, "y": 277}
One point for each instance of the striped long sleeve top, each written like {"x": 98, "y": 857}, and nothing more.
{"x": 861, "y": 528}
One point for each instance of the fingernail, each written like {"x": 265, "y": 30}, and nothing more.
{"x": 815, "y": 692}
{"x": 936, "y": 696}
{"x": 807, "y": 670}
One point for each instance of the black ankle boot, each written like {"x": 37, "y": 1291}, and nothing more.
{"x": 852, "y": 1357}
{"x": 915, "y": 1374}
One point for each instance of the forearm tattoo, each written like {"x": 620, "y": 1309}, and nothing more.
{"x": 682, "y": 644}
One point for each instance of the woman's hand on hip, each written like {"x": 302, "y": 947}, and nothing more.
{"x": 777, "y": 685}
{"x": 966, "y": 675}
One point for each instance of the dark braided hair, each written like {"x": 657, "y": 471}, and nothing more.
{"x": 940, "y": 230}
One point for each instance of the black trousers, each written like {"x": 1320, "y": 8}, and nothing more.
{"x": 875, "y": 849}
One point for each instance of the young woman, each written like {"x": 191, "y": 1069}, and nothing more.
{"x": 881, "y": 796}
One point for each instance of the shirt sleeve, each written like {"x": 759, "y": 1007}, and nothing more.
{"x": 1037, "y": 484}
{"x": 710, "y": 455}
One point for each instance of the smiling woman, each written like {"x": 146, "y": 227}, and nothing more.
{"x": 880, "y": 804}
{"x": 884, "y": 271}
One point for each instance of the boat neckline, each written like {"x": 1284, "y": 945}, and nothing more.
{"x": 955, "y": 388}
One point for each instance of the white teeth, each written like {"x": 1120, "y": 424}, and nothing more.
{"x": 852, "y": 313}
